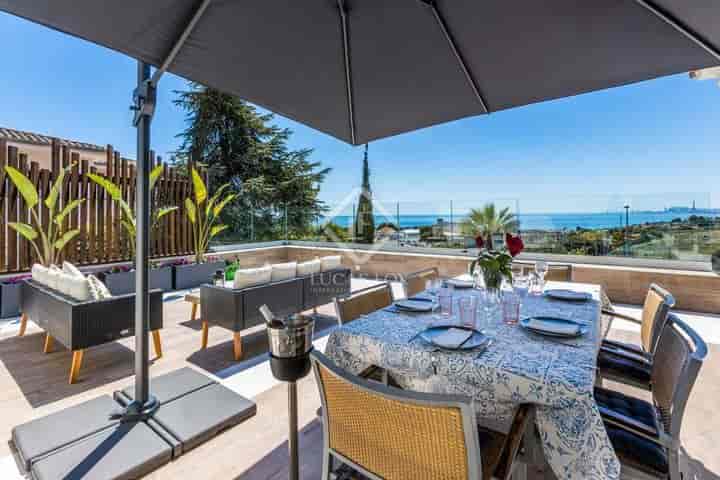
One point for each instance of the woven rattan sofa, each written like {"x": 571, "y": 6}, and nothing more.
{"x": 79, "y": 325}
{"x": 238, "y": 309}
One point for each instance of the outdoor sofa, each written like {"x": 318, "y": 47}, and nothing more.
{"x": 238, "y": 309}
{"x": 79, "y": 325}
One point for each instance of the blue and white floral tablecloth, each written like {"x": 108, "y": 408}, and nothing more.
{"x": 518, "y": 367}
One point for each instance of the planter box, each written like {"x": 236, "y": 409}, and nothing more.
{"x": 121, "y": 283}
{"x": 195, "y": 274}
{"x": 10, "y": 299}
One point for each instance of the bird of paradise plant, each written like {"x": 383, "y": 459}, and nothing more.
{"x": 50, "y": 241}
{"x": 204, "y": 213}
{"x": 128, "y": 216}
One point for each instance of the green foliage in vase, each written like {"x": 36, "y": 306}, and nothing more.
{"x": 204, "y": 213}
{"x": 128, "y": 220}
{"x": 48, "y": 242}
{"x": 495, "y": 266}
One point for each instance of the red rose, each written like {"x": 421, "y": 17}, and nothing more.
{"x": 479, "y": 242}
{"x": 515, "y": 245}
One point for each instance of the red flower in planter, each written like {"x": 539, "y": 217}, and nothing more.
{"x": 514, "y": 244}
{"x": 479, "y": 242}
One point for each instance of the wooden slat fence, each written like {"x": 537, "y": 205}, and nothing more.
{"x": 102, "y": 238}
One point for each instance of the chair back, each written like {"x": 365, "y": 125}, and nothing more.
{"x": 362, "y": 302}
{"x": 395, "y": 434}
{"x": 416, "y": 282}
{"x": 557, "y": 272}
{"x": 679, "y": 356}
{"x": 656, "y": 308}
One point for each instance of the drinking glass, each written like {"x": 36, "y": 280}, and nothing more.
{"x": 445, "y": 300}
{"x": 511, "y": 309}
{"x": 467, "y": 307}
{"x": 433, "y": 285}
{"x": 541, "y": 268}
{"x": 521, "y": 286}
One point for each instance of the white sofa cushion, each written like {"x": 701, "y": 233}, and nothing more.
{"x": 98, "y": 290}
{"x": 283, "y": 271}
{"x": 40, "y": 274}
{"x": 330, "y": 263}
{"x": 71, "y": 269}
{"x": 54, "y": 278}
{"x": 309, "y": 267}
{"x": 250, "y": 277}
{"x": 75, "y": 287}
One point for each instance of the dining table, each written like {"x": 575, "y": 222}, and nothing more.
{"x": 555, "y": 375}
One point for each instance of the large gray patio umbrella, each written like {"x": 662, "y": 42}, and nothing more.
{"x": 361, "y": 70}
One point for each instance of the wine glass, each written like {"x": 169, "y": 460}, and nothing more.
{"x": 541, "y": 268}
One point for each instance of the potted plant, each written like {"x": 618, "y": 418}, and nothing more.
{"x": 204, "y": 216}
{"x": 10, "y": 289}
{"x": 121, "y": 279}
{"x": 47, "y": 242}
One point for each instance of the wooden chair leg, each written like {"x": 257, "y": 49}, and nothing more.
{"x": 237, "y": 346}
{"x": 23, "y": 325}
{"x": 203, "y": 344}
{"x": 48, "y": 343}
{"x": 157, "y": 344}
{"x": 193, "y": 312}
{"x": 76, "y": 363}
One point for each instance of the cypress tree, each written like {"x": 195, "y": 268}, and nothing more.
{"x": 364, "y": 228}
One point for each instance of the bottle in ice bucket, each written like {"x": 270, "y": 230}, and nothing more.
{"x": 219, "y": 278}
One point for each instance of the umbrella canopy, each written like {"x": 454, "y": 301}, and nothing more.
{"x": 361, "y": 70}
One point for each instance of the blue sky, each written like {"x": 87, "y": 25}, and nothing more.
{"x": 654, "y": 144}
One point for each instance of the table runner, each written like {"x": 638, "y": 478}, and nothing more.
{"x": 519, "y": 367}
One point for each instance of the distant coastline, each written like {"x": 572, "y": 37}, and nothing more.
{"x": 550, "y": 221}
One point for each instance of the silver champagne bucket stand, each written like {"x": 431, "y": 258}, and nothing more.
{"x": 290, "y": 346}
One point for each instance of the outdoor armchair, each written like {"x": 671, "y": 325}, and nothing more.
{"x": 645, "y": 435}
{"x": 629, "y": 363}
{"x": 387, "y": 433}
{"x": 416, "y": 282}
{"x": 79, "y": 325}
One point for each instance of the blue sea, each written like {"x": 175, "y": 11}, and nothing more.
{"x": 548, "y": 221}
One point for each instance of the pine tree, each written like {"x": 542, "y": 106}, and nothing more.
{"x": 364, "y": 227}
{"x": 239, "y": 145}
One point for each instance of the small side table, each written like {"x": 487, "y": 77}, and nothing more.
{"x": 194, "y": 299}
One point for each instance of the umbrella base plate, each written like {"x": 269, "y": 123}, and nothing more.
{"x": 83, "y": 442}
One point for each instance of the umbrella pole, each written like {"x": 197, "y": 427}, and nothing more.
{"x": 143, "y": 404}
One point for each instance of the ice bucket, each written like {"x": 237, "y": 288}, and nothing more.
{"x": 290, "y": 343}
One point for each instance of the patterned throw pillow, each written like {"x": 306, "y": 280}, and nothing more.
{"x": 98, "y": 290}
{"x": 71, "y": 269}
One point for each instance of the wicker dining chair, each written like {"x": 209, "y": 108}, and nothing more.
{"x": 646, "y": 436}
{"x": 386, "y": 433}
{"x": 630, "y": 363}
{"x": 363, "y": 301}
{"x": 416, "y": 282}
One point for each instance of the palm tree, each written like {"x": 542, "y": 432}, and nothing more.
{"x": 487, "y": 221}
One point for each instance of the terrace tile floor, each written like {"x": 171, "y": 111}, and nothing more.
{"x": 33, "y": 384}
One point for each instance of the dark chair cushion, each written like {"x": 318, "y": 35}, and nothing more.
{"x": 638, "y": 410}
{"x": 638, "y": 452}
{"x": 631, "y": 347}
{"x": 623, "y": 367}
{"x": 633, "y": 449}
